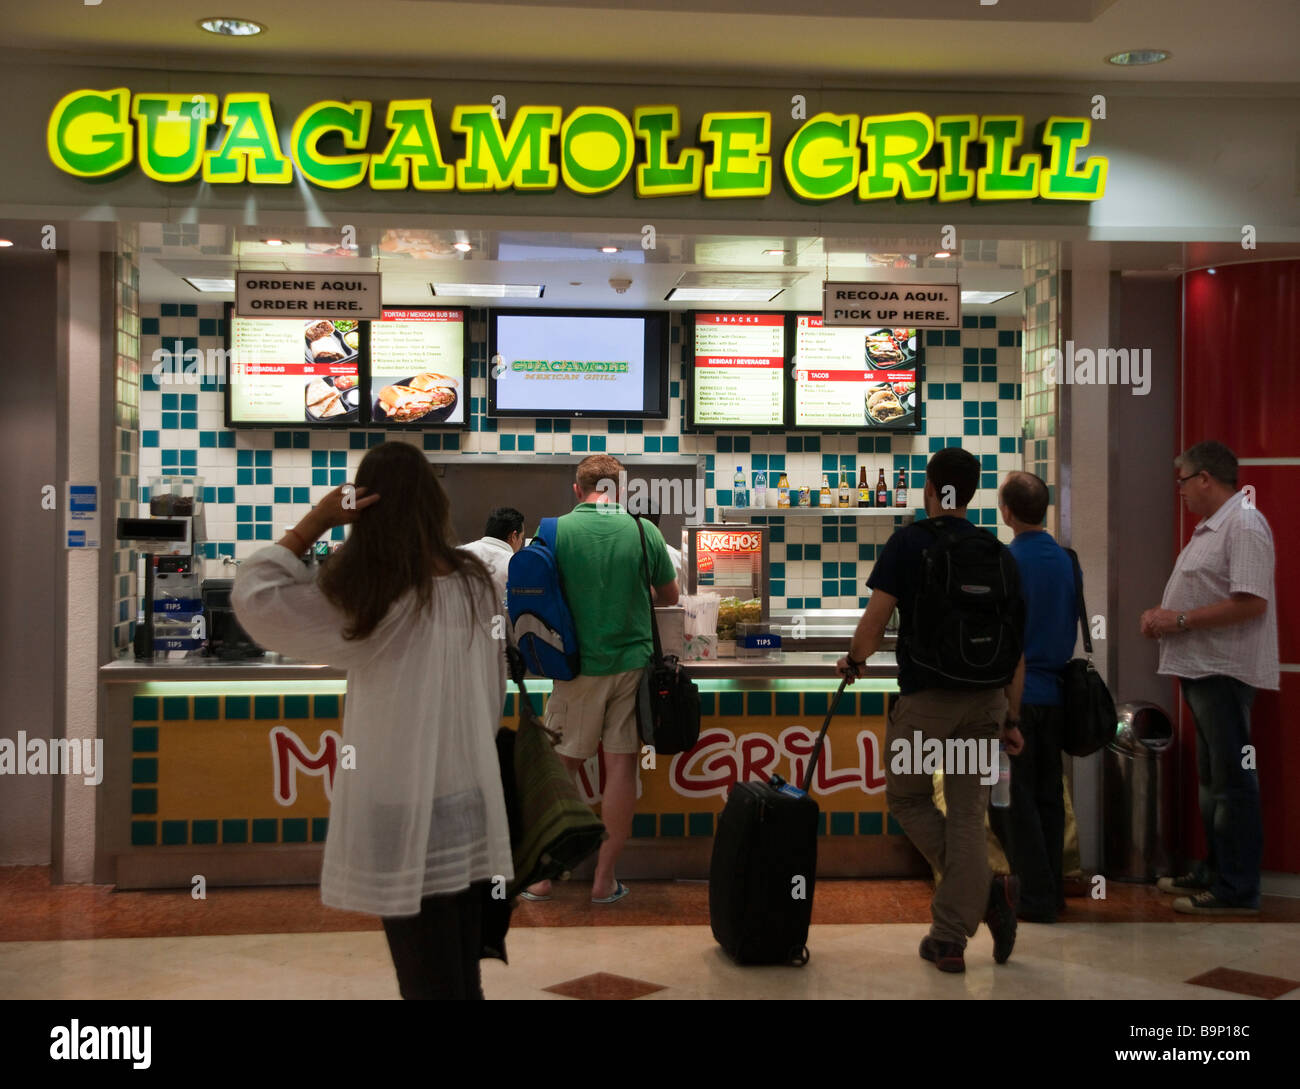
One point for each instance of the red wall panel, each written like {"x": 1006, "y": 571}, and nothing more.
{"x": 1241, "y": 358}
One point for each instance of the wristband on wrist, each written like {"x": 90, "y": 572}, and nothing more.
{"x": 853, "y": 661}
{"x": 306, "y": 547}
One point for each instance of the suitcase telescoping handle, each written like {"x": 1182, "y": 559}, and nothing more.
{"x": 821, "y": 737}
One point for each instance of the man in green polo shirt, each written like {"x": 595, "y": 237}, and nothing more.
{"x": 599, "y": 553}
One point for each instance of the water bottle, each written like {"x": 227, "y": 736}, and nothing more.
{"x": 739, "y": 489}
{"x": 1002, "y": 790}
{"x": 760, "y": 489}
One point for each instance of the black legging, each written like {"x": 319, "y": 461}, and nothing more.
{"x": 436, "y": 953}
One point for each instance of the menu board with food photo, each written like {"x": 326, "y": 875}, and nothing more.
{"x": 288, "y": 371}
{"x": 865, "y": 379}
{"x": 738, "y": 376}
{"x": 417, "y": 368}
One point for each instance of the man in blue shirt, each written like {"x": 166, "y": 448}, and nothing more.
{"x": 1032, "y": 829}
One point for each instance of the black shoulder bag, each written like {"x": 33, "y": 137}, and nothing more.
{"x": 667, "y": 702}
{"x": 1090, "y": 718}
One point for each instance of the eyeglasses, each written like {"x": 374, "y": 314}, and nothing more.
{"x": 1184, "y": 479}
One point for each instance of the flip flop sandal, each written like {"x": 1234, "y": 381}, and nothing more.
{"x": 532, "y": 896}
{"x": 620, "y": 890}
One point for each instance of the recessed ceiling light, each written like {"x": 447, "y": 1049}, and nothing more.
{"x": 609, "y": 249}
{"x": 232, "y": 28}
{"x": 943, "y": 255}
{"x": 1212, "y": 271}
{"x": 775, "y": 253}
{"x": 723, "y": 294}
{"x": 274, "y": 241}
{"x": 983, "y": 298}
{"x": 489, "y": 291}
{"x": 464, "y": 247}
{"x": 1133, "y": 57}
{"x": 5, "y": 242}
{"x": 212, "y": 283}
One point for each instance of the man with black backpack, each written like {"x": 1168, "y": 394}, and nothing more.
{"x": 960, "y": 670}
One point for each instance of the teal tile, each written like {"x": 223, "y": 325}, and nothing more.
{"x": 708, "y": 703}
{"x": 319, "y": 829}
{"x": 204, "y": 832}
{"x": 895, "y": 829}
{"x": 297, "y": 707}
{"x": 265, "y": 830}
{"x": 758, "y": 703}
{"x": 144, "y": 739}
{"x": 326, "y": 706}
{"x": 266, "y": 706}
{"x": 731, "y": 703}
{"x": 176, "y": 708}
{"x": 643, "y": 825}
{"x": 144, "y": 769}
{"x": 207, "y": 708}
{"x": 787, "y": 703}
{"x": 821, "y": 824}
{"x": 234, "y": 831}
{"x": 816, "y": 703}
{"x": 144, "y": 802}
{"x": 237, "y": 707}
{"x": 870, "y": 824}
{"x": 295, "y": 830}
{"x": 175, "y": 833}
{"x": 672, "y": 824}
{"x": 871, "y": 703}
{"x": 144, "y": 833}
{"x": 841, "y": 824}
{"x": 700, "y": 824}
{"x": 144, "y": 708}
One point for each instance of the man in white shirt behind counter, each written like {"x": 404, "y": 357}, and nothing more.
{"x": 1217, "y": 627}
{"x": 502, "y": 538}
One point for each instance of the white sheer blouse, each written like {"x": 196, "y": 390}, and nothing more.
{"x": 422, "y": 813}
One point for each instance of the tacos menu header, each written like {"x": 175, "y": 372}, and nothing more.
{"x": 176, "y": 138}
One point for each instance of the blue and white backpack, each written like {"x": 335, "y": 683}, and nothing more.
{"x": 543, "y": 626}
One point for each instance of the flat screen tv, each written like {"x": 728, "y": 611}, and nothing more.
{"x": 417, "y": 378}
{"x": 735, "y": 367}
{"x": 600, "y": 364}
{"x": 848, "y": 378}
{"x": 291, "y": 372}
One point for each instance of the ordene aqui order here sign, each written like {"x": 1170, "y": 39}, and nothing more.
{"x": 176, "y": 138}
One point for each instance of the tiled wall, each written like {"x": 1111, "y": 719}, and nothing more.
{"x": 259, "y": 481}
{"x": 1042, "y": 333}
{"x": 126, "y": 425}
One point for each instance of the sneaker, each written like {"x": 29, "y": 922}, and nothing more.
{"x": 947, "y": 956}
{"x": 1187, "y": 885}
{"x": 1206, "y": 903}
{"x": 1000, "y": 916}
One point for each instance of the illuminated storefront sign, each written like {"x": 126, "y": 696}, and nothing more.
{"x": 177, "y": 138}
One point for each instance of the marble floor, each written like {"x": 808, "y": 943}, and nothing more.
{"x": 93, "y": 943}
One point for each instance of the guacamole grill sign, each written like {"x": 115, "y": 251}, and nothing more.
{"x": 177, "y": 138}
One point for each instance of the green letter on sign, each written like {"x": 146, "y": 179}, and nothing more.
{"x": 821, "y": 159}
{"x": 173, "y": 133}
{"x": 741, "y": 166}
{"x": 89, "y": 134}
{"x": 1061, "y": 180}
{"x": 414, "y": 143}
{"x": 336, "y": 172}
{"x": 657, "y": 177}
{"x": 595, "y": 149}
{"x": 251, "y": 149}
{"x": 494, "y": 161}
{"x": 996, "y": 180}
{"x": 896, "y": 143}
{"x": 955, "y": 132}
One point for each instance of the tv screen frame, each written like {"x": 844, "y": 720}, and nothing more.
{"x": 363, "y": 374}
{"x": 370, "y": 383}
{"x": 657, "y": 340}
{"x": 792, "y": 411}
{"x": 688, "y": 386}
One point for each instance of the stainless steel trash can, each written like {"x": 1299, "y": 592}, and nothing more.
{"x": 1139, "y": 796}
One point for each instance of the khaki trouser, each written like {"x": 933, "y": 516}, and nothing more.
{"x": 953, "y": 843}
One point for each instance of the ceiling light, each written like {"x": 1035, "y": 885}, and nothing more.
{"x": 209, "y": 283}
{"x": 464, "y": 247}
{"x": 1212, "y": 271}
{"x": 722, "y": 294}
{"x": 609, "y": 249}
{"x": 232, "y": 28}
{"x": 775, "y": 253}
{"x": 983, "y": 298}
{"x": 274, "y": 241}
{"x": 4, "y": 242}
{"x": 1134, "y": 57}
{"x": 943, "y": 255}
{"x": 489, "y": 291}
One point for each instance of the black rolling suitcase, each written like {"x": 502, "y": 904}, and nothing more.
{"x": 764, "y": 867}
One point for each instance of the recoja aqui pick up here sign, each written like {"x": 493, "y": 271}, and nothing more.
{"x": 307, "y": 295}
{"x": 915, "y": 306}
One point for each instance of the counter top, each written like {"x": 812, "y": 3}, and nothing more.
{"x": 790, "y": 665}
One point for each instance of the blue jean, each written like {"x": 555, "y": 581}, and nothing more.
{"x": 1229, "y": 793}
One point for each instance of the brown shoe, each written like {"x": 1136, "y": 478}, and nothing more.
{"x": 947, "y": 956}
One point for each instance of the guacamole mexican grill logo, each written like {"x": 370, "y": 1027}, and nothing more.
{"x": 178, "y": 138}
{"x": 730, "y": 542}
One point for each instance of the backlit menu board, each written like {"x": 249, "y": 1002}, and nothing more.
{"x": 417, "y": 368}
{"x": 850, "y": 377}
{"x": 292, "y": 372}
{"x": 738, "y": 371}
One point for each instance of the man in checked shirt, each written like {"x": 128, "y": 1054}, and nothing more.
{"x": 1217, "y": 627}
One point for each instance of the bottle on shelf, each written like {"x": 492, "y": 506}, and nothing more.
{"x": 783, "y": 491}
{"x": 882, "y": 490}
{"x": 824, "y": 497}
{"x": 844, "y": 490}
{"x": 864, "y": 489}
{"x": 900, "y": 489}
{"x": 739, "y": 489}
{"x": 805, "y": 497}
{"x": 760, "y": 489}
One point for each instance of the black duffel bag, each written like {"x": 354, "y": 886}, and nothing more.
{"x": 1090, "y": 718}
